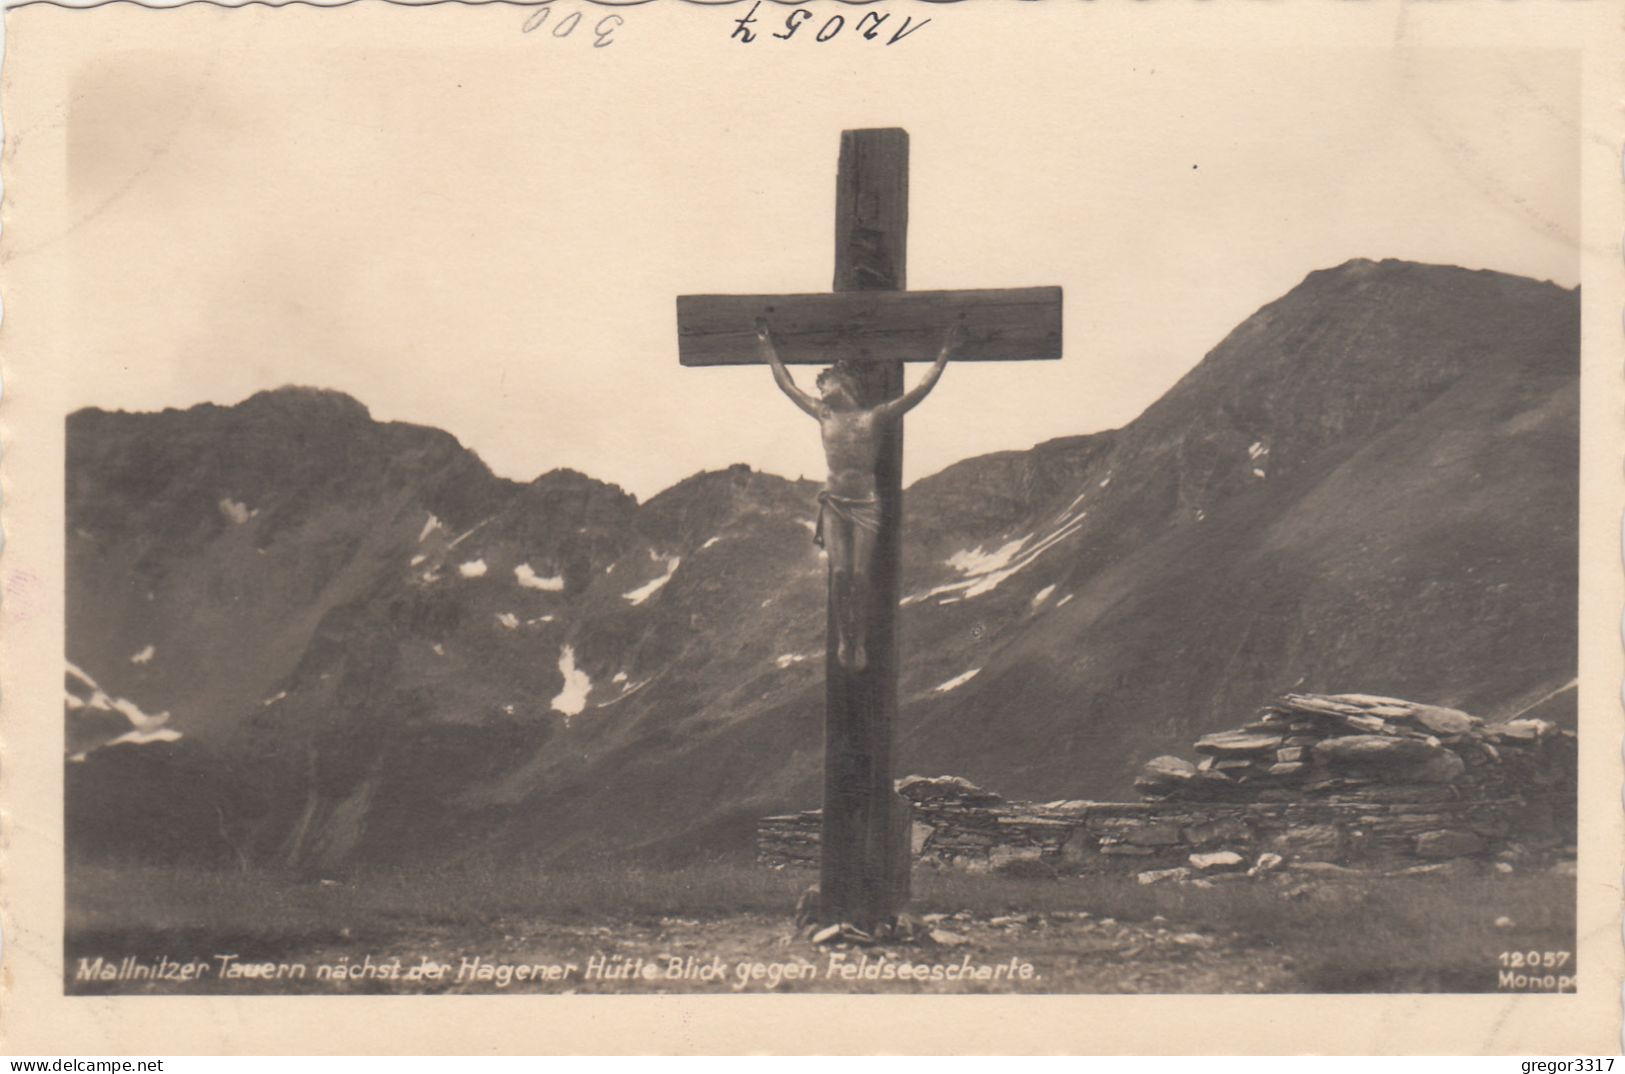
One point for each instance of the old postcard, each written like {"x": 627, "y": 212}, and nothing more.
{"x": 467, "y": 587}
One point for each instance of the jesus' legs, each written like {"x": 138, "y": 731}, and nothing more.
{"x": 837, "y": 534}
{"x": 839, "y": 543}
{"x": 862, "y": 545}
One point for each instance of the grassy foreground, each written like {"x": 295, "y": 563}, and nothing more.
{"x": 1083, "y": 934}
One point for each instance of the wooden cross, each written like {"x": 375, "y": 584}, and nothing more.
{"x": 875, "y": 325}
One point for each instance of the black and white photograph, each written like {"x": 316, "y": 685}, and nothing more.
{"x": 490, "y": 560}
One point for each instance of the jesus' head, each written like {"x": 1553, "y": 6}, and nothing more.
{"x": 836, "y": 388}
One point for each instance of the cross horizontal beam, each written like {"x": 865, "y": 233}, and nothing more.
{"x": 1005, "y": 324}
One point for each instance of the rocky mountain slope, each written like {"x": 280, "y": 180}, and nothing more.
{"x": 370, "y": 648}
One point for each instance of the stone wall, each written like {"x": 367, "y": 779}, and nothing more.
{"x": 1133, "y": 837}
{"x": 1500, "y": 794}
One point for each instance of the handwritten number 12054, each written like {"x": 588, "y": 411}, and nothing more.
{"x": 602, "y": 31}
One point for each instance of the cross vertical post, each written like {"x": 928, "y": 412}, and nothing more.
{"x": 870, "y": 325}
{"x": 864, "y": 866}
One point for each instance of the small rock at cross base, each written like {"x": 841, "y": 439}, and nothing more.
{"x": 1218, "y": 860}
{"x": 807, "y": 906}
{"x": 827, "y": 934}
{"x": 1156, "y": 876}
{"x": 1267, "y": 862}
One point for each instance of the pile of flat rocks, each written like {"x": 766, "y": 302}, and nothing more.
{"x": 1316, "y": 785}
{"x": 945, "y": 792}
{"x": 1360, "y": 746}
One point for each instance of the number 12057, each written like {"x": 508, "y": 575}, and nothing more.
{"x": 1543, "y": 960}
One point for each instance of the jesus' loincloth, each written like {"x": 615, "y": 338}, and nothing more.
{"x": 863, "y": 512}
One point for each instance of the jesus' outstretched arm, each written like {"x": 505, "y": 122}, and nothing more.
{"x": 911, "y": 398}
{"x": 781, "y": 375}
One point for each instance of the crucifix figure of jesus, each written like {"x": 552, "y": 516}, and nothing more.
{"x": 849, "y": 505}
{"x": 866, "y": 329}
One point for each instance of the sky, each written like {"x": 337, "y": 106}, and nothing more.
{"x": 456, "y": 241}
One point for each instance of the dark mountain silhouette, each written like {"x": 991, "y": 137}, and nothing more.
{"x": 373, "y": 649}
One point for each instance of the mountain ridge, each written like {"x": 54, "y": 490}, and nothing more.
{"x": 1369, "y": 484}
{"x": 348, "y": 402}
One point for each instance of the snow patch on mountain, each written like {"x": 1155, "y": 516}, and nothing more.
{"x": 957, "y": 681}
{"x": 474, "y": 568}
{"x": 1041, "y": 596}
{"x": 987, "y": 583}
{"x": 1570, "y": 685}
{"x": 142, "y": 738}
{"x": 999, "y": 565}
{"x": 577, "y": 684}
{"x": 654, "y": 585}
{"x": 100, "y": 699}
{"x": 145, "y": 655}
{"x": 235, "y": 510}
{"x": 428, "y": 527}
{"x": 138, "y": 719}
{"x": 144, "y": 727}
{"x": 466, "y": 534}
{"x": 980, "y": 562}
{"x": 627, "y": 690}
{"x": 509, "y": 620}
{"x": 1066, "y": 511}
{"x": 529, "y": 579}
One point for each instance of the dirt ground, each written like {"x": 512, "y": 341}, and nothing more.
{"x": 1069, "y": 952}
{"x": 160, "y": 932}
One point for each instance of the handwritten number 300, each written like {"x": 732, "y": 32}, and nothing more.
{"x": 566, "y": 26}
